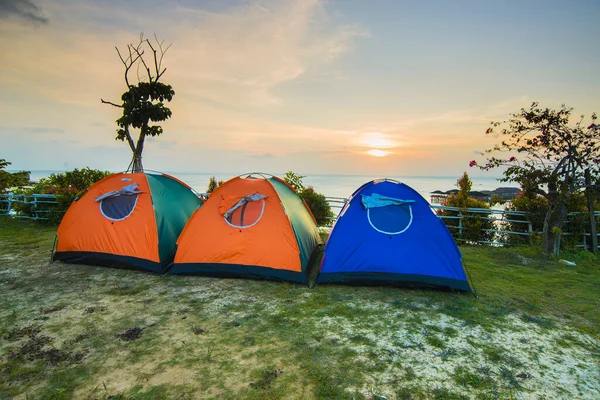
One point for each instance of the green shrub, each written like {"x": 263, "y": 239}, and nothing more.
{"x": 66, "y": 186}
{"x": 318, "y": 205}
{"x": 535, "y": 208}
{"x": 316, "y": 202}
{"x": 577, "y": 223}
{"x": 475, "y": 227}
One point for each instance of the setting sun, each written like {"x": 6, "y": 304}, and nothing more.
{"x": 376, "y": 140}
{"x": 378, "y": 153}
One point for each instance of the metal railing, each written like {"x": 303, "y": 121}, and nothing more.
{"x": 42, "y": 204}
{"x": 502, "y": 219}
{"x": 38, "y": 202}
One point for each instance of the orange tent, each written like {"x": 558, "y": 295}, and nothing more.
{"x": 251, "y": 226}
{"x": 127, "y": 220}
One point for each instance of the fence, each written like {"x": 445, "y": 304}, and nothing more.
{"x": 40, "y": 206}
{"x": 502, "y": 219}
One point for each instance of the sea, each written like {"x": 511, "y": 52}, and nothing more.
{"x": 334, "y": 185}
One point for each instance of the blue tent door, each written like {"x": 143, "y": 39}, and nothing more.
{"x": 397, "y": 240}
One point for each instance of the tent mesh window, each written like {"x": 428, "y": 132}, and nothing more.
{"x": 119, "y": 207}
{"x": 247, "y": 215}
{"x": 392, "y": 219}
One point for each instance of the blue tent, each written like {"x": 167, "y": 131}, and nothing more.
{"x": 387, "y": 234}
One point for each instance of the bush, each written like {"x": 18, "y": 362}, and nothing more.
{"x": 318, "y": 205}
{"x": 66, "y": 186}
{"x": 475, "y": 226}
{"x": 535, "y": 208}
{"x": 577, "y": 223}
{"x": 316, "y": 202}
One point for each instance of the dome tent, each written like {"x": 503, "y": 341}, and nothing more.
{"x": 252, "y": 226}
{"x": 388, "y": 234}
{"x": 127, "y": 220}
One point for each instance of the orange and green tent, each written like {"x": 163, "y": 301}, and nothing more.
{"x": 127, "y": 220}
{"x": 252, "y": 226}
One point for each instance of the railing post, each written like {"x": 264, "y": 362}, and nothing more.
{"x": 9, "y": 204}
{"x": 460, "y": 224}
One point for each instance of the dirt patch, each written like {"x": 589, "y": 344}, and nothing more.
{"x": 198, "y": 331}
{"x": 50, "y": 310}
{"x": 78, "y": 338}
{"x": 19, "y": 333}
{"x": 267, "y": 378}
{"x": 38, "y": 347}
{"x": 130, "y": 334}
{"x": 91, "y": 310}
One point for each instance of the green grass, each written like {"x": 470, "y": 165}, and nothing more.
{"x": 544, "y": 287}
{"x": 74, "y": 331}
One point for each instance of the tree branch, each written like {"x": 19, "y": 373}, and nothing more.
{"x": 111, "y": 103}
{"x": 140, "y": 53}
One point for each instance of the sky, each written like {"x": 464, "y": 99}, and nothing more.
{"x": 385, "y": 87}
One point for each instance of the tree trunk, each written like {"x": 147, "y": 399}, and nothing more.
{"x": 555, "y": 217}
{"x": 590, "y": 198}
{"x": 136, "y": 163}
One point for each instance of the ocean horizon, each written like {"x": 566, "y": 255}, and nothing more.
{"x": 331, "y": 185}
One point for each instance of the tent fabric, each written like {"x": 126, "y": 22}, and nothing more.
{"x": 174, "y": 203}
{"x": 275, "y": 240}
{"x": 127, "y": 191}
{"x": 377, "y": 200}
{"x": 144, "y": 235}
{"x": 244, "y": 200}
{"x": 400, "y": 244}
{"x": 303, "y": 222}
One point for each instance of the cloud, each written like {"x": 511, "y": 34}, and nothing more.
{"x": 24, "y": 9}
{"x": 238, "y": 56}
{"x": 262, "y": 155}
{"x": 41, "y": 130}
{"x": 232, "y": 57}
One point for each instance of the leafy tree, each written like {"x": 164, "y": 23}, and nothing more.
{"x": 143, "y": 102}
{"x": 472, "y": 227}
{"x": 15, "y": 179}
{"x": 316, "y": 202}
{"x": 547, "y": 155}
{"x": 213, "y": 184}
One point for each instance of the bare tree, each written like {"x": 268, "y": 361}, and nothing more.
{"x": 143, "y": 102}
